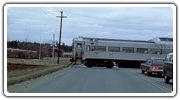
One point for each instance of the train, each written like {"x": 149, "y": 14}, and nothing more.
{"x": 119, "y": 52}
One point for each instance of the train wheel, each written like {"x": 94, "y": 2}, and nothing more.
{"x": 109, "y": 64}
{"x": 88, "y": 65}
{"x": 109, "y": 67}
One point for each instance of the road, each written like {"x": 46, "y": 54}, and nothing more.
{"x": 80, "y": 79}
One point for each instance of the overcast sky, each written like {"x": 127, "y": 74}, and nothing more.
{"x": 37, "y": 24}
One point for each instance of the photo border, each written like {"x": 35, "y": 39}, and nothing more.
{"x": 173, "y": 6}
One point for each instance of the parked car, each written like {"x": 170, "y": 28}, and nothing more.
{"x": 168, "y": 67}
{"x": 152, "y": 66}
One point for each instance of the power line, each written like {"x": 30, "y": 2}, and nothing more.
{"x": 48, "y": 12}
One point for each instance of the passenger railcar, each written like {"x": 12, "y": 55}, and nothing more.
{"x": 108, "y": 52}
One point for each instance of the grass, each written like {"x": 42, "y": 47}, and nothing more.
{"x": 17, "y": 76}
{"x": 44, "y": 61}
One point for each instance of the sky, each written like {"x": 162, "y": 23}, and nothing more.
{"x": 38, "y": 24}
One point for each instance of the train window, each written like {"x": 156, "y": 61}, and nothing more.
{"x": 114, "y": 49}
{"x": 166, "y": 51}
{"x": 149, "y": 61}
{"x": 91, "y": 48}
{"x": 142, "y": 50}
{"x": 128, "y": 49}
{"x": 155, "y": 51}
{"x": 87, "y": 48}
{"x": 79, "y": 45}
{"x": 99, "y": 48}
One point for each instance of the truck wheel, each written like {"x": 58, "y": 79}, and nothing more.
{"x": 149, "y": 73}
{"x": 160, "y": 74}
{"x": 142, "y": 71}
{"x": 166, "y": 79}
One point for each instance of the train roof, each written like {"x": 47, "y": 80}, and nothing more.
{"x": 154, "y": 40}
{"x": 162, "y": 39}
{"x": 105, "y": 39}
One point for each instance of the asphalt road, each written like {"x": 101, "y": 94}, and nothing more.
{"x": 80, "y": 79}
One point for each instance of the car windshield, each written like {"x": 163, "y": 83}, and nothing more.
{"x": 158, "y": 61}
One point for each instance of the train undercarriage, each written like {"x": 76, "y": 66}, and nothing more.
{"x": 109, "y": 63}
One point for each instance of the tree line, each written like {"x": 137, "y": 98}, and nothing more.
{"x": 34, "y": 46}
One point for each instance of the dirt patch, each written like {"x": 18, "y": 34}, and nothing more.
{"x": 14, "y": 67}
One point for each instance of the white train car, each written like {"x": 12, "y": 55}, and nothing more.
{"x": 107, "y": 52}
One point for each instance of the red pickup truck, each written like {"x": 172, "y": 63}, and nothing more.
{"x": 152, "y": 66}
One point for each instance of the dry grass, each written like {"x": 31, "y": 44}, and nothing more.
{"x": 18, "y": 76}
{"x": 44, "y": 61}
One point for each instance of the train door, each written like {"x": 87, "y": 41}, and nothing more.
{"x": 78, "y": 52}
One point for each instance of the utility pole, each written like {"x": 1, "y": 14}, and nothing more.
{"x": 53, "y": 49}
{"x": 60, "y": 33}
{"x": 40, "y": 49}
